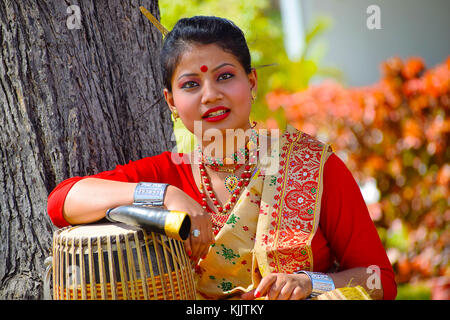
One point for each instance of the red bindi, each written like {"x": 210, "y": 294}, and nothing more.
{"x": 204, "y": 68}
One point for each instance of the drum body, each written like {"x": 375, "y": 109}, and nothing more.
{"x": 117, "y": 261}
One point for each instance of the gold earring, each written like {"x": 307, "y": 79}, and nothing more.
{"x": 175, "y": 115}
{"x": 253, "y": 96}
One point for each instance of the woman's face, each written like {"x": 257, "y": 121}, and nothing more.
{"x": 210, "y": 85}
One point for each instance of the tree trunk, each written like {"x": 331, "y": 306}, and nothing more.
{"x": 75, "y": 99}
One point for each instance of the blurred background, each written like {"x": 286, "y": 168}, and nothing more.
{"x": 371, "y": 77}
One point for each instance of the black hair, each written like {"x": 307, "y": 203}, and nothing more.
{"x": 202, "y": 30}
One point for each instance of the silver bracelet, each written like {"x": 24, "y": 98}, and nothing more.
{"x": 149, "y": 193}
{"x": 320, "y": 282}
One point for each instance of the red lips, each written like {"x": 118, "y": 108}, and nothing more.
{"x": 207, "y": 115}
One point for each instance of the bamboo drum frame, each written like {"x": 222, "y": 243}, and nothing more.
{"x": 114, "y": 261}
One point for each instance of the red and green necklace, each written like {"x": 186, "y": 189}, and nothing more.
{"x": 233, "y": 184}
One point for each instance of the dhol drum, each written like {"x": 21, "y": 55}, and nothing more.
{"x": 119, "y": 261}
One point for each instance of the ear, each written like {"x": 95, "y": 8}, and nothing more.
{"x": 168, "y": 96}
{"x": 253, "y": 80}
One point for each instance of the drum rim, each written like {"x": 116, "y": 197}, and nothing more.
{"x": 131, "y": 232}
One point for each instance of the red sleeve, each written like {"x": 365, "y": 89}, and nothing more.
{"x": 347, "y": 225}
{"x": 161, "y": 168}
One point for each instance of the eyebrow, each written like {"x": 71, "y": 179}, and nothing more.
{"x": 216, "y": 68}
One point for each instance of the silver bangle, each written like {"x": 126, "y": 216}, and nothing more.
{"x": 149, "y": 193}
{"x": 320, "y": 282}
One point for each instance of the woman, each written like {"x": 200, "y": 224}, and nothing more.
{"x": 288, "y": 223}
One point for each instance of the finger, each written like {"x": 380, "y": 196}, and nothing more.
{"x": 195, "y": 241}
{"x": 265, "y": 285}
{"x": 286, "y": 291}
{"x": 276, "y": 287}
{"x": 199, "y": 246}
{"x": 298, "y": 294}
{"x": 195, "y": 245}
{"x": 204, "y": 240}
{"x": 205, "y": 252}
{"x": 206, "y": 236}
{"x": 187, "y": 247}
{"x": 212, "y": 237}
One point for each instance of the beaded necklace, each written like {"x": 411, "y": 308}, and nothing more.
{"x": 234, "y": 185}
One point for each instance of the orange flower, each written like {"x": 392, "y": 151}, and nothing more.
{"x": 413, "y": 86}
{"x": 392, "y": 67}
{"x": 412, "y": 67}
{"x": 437, "y": 81}
{"x": 412, "y": 133}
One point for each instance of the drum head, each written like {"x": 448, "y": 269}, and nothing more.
{"x": 98, "y": 230}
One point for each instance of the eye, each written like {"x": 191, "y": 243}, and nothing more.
{"x": 225, "y": 76}
{"x": 189, "y": 85}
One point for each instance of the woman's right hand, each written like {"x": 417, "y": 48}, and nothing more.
{"x": 196, "y": 247}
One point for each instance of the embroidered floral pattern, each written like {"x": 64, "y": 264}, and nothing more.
{"x": 301, "y": 201}
{"x": 232, "y": 220}
{"x": 228, "y": 254}
{"x": 288, "y": 238}
{"x": 273, "y": 181}
{"x": 226, "y": 285}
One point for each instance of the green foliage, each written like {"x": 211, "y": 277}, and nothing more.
{"x": 243, "y": 13}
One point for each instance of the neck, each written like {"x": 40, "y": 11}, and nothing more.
{"x": 227, "y": 147}
{"x": 225, "y": 142}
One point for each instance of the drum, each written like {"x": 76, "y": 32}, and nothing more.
{"x": 118, "y": 261}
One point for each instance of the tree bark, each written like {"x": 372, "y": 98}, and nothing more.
{"x": 74, "y": 101}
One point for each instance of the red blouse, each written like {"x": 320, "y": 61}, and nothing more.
{"x": 346, "y": 232}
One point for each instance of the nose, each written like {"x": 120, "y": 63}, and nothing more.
{"x": 210, "y": 93}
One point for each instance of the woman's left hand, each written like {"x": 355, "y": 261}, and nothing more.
{"x": 281, "y": 286}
